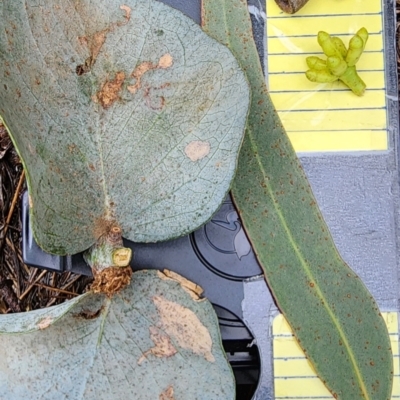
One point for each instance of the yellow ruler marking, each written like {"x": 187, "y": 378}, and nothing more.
{"x": 294, "y": 377}
{"x": 327, "y": 117}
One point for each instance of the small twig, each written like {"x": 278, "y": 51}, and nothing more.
{"x": 43, "y": 273}
{"x": 54, "y": 289}
{"x": 8, "y": 295}
{"x": 12, "y": 207}
{"x": 32, "y": 274}
{"x": 11, "y": 246}
{"x": 12, "y": 276}
{"x": 10, "y": 269}
{"x": 71, "y": 282}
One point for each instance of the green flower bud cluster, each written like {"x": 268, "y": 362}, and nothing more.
{"x": 340, "y": 63}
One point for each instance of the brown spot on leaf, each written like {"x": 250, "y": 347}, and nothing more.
{"x": 163, "y": 346}
{"x": 81, "y": 69}
{"x": 96, "y": 41}
{"x": 167, "y": 394}
{"x": 44, "y": 323}
{"x": 184, "y": 326}
{"x": 109, "y": 92}
{"x": 164, "y": 62}
{"x": 71, "y": 147}
{"x": 137, "y": 74}
{"x": 195, "y": 291}
{"x": 103, "y": 226}
{"x": 88, "y": 315}
{"x": 150, "y": 102}
{"x": 153, "y": 99}
{"x": 197, "y": 149}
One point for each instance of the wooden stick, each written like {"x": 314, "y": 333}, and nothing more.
{"x": 291, "y": 6}
{"x": 73, "y": 280}
{"x": 54, "y": 289}
{"x": 33, "y": 284}
{"x": 8, "y": 295}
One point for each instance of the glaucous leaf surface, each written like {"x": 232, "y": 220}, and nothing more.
{"x": 121, "y": 111}
{"x": 151, "y": 341}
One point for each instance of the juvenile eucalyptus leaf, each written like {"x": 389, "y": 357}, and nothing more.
{"x": 123, "y": 112}
{"x": 151, "y": 340}
{"x": 333, "y": 316}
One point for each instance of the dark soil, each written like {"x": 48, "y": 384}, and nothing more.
{"x": 23, "y": 288}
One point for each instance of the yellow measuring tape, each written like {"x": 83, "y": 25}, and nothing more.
{"x": 327, "y": 117}
{"x": 294, "y": 377}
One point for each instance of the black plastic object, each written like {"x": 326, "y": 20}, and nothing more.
{"x": 218, "y": 257}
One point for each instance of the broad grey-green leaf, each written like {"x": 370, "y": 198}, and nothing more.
{"x": 122, "y": 111}
{"x": 149, "y": 340}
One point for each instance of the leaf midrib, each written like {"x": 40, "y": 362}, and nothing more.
{"x": 306, "y": 268}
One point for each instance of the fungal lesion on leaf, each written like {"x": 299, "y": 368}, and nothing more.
{"x": 163, "y": 346}
{"x": 197, "y": 150}
{"x": 194, "y": 290}
{"x": 44, "y": 323}
{"x": 165, "y": 61}
{"x": 183, "y": 325}
{"x": 88, "y": 314}
{"x": 128, "y": 11}
{"x": 96, "y": 41}
{"x": 167, "y": 394}
{"x": 110, "y": 91}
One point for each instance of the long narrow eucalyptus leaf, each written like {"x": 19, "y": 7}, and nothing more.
{"x": 332, "y": 314}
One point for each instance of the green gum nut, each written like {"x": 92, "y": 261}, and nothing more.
{"x": 320, "y": 76}
{"x": 336, "y": 65}
{"x": 356, "y": 47}
{"x": 363, "y": 33}
{"x": 340, "y": 46}
{"x": 316, "y": 63}
{"x": 328, "y": 46}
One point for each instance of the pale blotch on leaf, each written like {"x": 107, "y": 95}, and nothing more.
{"x": 127, "y": 10}
{"x": 167, "y": 394}
{"x": 185, "y": 327}
{"x": 45, "y": 323}
{"x": 164, "y": 62}
{"x": 163, "y": 346}
{"x": 197, "y": 150}
{"x": 194, "y": 290}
